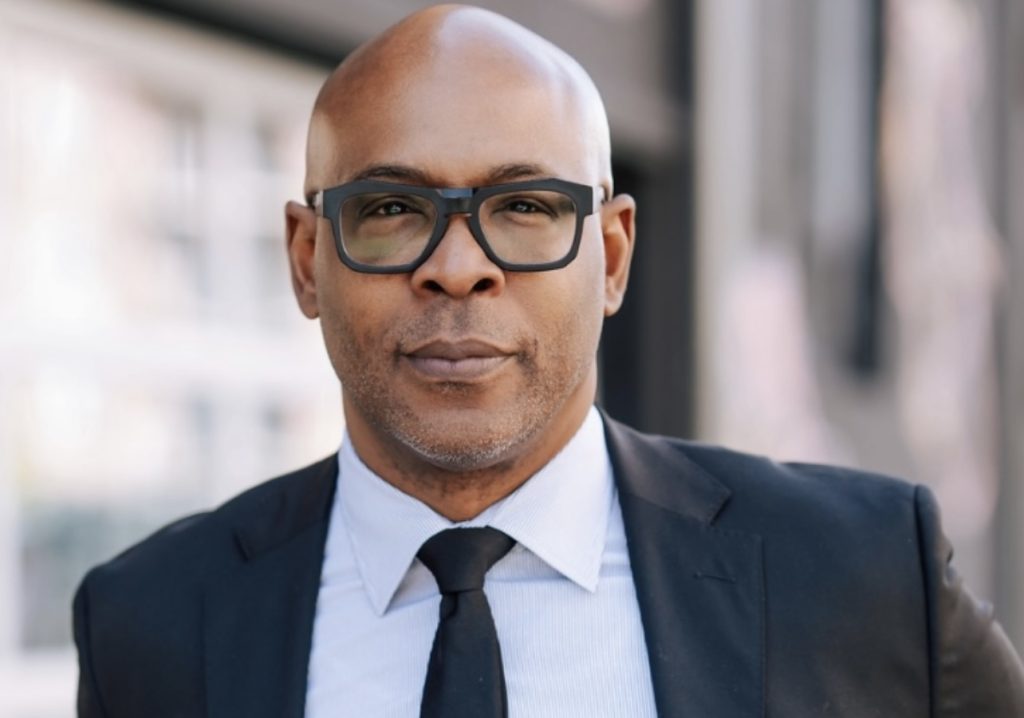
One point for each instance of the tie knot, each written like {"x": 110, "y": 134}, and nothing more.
{"x": 459, "y": 558}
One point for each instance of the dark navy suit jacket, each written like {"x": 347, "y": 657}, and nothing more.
{"x": 765, "y": 590}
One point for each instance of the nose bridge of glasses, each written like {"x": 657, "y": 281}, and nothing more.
{"x": 455, "y": 201}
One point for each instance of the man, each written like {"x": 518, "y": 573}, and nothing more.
{"x": 485, "y": 542}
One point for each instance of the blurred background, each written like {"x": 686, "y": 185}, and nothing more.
{"x": 829, "y": 263}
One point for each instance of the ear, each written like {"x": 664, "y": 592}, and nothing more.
{"x": 300, "y": 228}
{"x": 618, "y": 225}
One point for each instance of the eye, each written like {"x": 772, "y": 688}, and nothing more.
{"x": 390, "y": 207}
{"x": 525, "y": 205}
{"x": 520, "y": 205}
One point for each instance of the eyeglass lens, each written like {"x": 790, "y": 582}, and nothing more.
{"x": 521, "y": 227}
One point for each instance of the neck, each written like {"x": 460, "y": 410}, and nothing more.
{"x": 460, "y": 495}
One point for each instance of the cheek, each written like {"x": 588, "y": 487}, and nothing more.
{"x": 587, "y": 290}
{"x": 348, "y": 301}
{"x": 344, "y": 345}
{"x": 351, "y": 321}
{"x": 567, "y": 310}
{"x": 589, "y": 297}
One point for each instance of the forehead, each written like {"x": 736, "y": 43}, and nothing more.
{"x": 455, "y": 119}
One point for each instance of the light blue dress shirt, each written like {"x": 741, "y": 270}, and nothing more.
{"x": 563, "y": 599}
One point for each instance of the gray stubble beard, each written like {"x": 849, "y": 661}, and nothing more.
{"x": 462, "y": 464}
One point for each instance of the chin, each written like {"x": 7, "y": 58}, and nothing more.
{"x": 465, "y": 446}
{"x": 469, "y": 455}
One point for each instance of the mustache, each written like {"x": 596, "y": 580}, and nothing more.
{"x": 454, "y": 323}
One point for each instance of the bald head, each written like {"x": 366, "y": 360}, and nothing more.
{"x": 456, "y": 69}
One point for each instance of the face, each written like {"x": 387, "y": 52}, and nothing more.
{"x": 459, "y": 365}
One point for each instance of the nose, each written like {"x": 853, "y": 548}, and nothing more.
{"x": 458, "y": 266}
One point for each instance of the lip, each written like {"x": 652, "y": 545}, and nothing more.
{"x": 457, "y": 360}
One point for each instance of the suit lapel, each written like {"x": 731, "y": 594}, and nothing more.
{"x": 258, "y": 617}
{"x": 700, "y": 589}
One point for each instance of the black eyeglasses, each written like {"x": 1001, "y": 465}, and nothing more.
{"x": 388, "y": 228}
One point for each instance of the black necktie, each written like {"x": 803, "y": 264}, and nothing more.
{"x": 465, "y": 678}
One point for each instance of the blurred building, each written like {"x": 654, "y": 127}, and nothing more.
{"x": 827, "y": 267}
{"x": 151, "y": 360}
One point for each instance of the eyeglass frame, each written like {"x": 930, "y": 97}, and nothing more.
{"x": 449, "y": 201}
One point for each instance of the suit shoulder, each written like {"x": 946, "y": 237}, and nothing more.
{"x": 740, "y": 470}
{"x": 193, "y": 546}
{"x": 745, "y": 470}
{"x": 827, "y": 531}
{"x": 762, "y": 489}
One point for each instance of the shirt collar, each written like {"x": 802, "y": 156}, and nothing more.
{"x": 560, "y": 514}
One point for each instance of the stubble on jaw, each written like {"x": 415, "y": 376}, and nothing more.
{"x": 480, "y": 446}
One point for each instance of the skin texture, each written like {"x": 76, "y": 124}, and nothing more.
{"x": 460, "y": 97}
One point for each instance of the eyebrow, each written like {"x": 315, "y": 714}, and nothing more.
{"x": 402, "y": 173}
{"x": 508, "y": 172}
{"x": 412, "y": 175}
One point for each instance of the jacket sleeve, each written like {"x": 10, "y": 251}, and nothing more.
{"x": 974, "y": 670}
{"x": 89, "y": 705}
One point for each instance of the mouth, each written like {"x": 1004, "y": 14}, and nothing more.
{"x": 457, "y": 361}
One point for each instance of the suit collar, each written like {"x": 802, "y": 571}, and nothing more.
{"x": 281, "y": 511}
{"x": 659, "y": 472}
{"x": 700, "y": 588}
{"x": 258, "y": 614}
{"x": 646, "y": 467}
